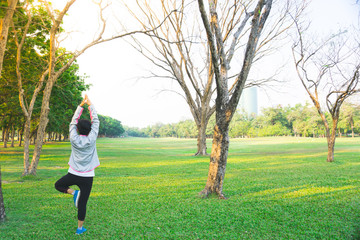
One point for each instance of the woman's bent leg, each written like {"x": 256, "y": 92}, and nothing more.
{"x": 62, "y": 185}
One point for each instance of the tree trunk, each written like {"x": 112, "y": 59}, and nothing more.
{"x": 331, "y": 137}
{"x": 218, "y": 160}
{"x": 6, "y": 136}
{"x": 2, "y": 206}
{"x": 27, "y": 140}
{"x": 20, "y": 137}
{"x": 331, "y": 145}
{"x": 4, "y": 29}
{"x": 42, "y": 126}
{"x": 12, "y": 136}
{"x": 201, "y": 140}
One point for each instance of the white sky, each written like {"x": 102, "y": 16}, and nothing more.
{"x": 114, "y": 66}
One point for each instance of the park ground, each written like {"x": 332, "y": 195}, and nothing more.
{"x": 277, "y": 188}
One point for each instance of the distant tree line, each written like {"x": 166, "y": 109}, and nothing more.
{"x": 110, "y": 127}
{"x": 299, "y": 120}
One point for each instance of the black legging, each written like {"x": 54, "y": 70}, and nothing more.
{"x": 84, "y": 183}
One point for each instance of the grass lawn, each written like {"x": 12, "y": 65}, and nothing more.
{"x": 278, "y": 188}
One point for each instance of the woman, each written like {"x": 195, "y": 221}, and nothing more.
{"x": 83, "y": 160}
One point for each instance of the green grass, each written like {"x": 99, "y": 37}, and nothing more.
{"x": 278, "y": 188}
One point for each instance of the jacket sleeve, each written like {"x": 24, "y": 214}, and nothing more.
{"x": 74, "y": 121}
{"x": 95, "y": 123}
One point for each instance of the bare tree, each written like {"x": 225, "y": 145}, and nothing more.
{"x": 56, "y": 65}
{"x": 226, "y": 105}
{"x": 328, "y": 69}
{"x": 252, "y": 45}
{"x": 179, "y": 49}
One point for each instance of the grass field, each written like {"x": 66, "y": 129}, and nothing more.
{"x": 278, "y": 188}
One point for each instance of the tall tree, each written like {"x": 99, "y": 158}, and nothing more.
{"x": 221, "y": 53}
{"x": 5, "y": 22}
{"x": 226, "y": 105}
{"x": 330, "y": 69}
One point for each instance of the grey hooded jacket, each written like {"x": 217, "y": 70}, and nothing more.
{"x": 84, "y": 156}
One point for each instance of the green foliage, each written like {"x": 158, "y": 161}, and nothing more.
{"x": 300, "y": 120}
{"x": 32, "y": 65}
{"x": 66, "y": 93}
{"x": 65, "y": 97}
{"x": 182, "y": 129}
{"x": 134, "y": 132}
{"x": 3, "y": 7}
{"x": 278, "y": 188}
{"x": 110, "y": 127}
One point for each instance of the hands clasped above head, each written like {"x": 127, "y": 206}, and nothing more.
{"x": 85, "y": 100}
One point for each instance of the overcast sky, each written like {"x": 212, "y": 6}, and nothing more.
{"x": 115, "y": 69}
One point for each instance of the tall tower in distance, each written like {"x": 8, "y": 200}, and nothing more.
{"x": 249, "y": 101}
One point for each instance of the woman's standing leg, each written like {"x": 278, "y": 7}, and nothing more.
{"x": 85, "y": 185}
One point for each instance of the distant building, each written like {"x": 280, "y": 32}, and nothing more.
{"x": 249, "y": 101}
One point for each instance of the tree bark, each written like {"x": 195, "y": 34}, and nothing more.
{"x": 331, "y": 137}
{"x": 218, "y": 161}
{"x": 2, "y": 206}
{"x": 331, "y": 146}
